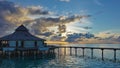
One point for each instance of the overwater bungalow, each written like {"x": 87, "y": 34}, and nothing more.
{"x": 21, "y": 41}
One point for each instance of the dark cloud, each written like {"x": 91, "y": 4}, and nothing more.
{"x": 47, "y": 34}
{"x": 37, "y": 10}
{"x": 78, "y": 37}
{"x": 91, "y": 38}
{"x": 118, "y": 39}
{"x": 41, "y": 24}
{"x": 87, "y": 27}
{"x": 56, "y": 38}
{"x": 6, "y": 6}
{"x": 12, "y": 15}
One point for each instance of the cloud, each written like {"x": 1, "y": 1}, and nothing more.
{"x": 41, "y": 24}
{"x": 98, "y": 3}
{"x": 105, "y": 37}
{"x": 76, "y": 37}
{"x": 109, "y": 37}
{"x": 6, "y": 8}
{"x": 98, "y": 41}
{"x": 35, "y": 10}
{"x": 12, "y": 15}
{"x": 65, "y": 0}
{"x": 16, "y": 14}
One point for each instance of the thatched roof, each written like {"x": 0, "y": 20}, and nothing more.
{"x": 21, "y": 33}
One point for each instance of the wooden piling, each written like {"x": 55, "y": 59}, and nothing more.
{"x": 115, "y": 54}
{"x": 70, "y": 50}
{"x": 22, "y": 53}
{"x": 83, "y": 51}
{"x": 75, "y": 51}
{"x": 102, "y": 54}
{"x": 91, "y": 52}
{"x": 9, "y": 54}
{"x": 34, "y": 53}
{"x": 58, "y": 51}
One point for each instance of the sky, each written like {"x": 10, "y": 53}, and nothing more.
{"x": 103, "y": 21}
{"x": 105, "y": 13}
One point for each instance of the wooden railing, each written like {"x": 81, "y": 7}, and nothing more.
{"x": 91, "y": 48}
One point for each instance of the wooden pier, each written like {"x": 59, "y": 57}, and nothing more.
{"x": 27, "y": 53}
{"x": 83, "y": 50}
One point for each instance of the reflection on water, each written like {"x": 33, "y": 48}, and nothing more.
{"x": 58, "y": 62}
{"x": 108, "y": 54}
{"x": 64, "y": 61}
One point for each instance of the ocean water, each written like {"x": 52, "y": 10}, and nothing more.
{"x": 62, "y": 60}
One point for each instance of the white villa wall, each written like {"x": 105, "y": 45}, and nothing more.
{"x": 40, "y": 44}
{"x": 29, "y": 44}
{"x": 19, "y": 43}
{"x": 12, "y": 43}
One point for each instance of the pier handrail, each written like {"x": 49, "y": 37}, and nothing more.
{"x": 108, "y": 48}
{"x": 91, "y": 48}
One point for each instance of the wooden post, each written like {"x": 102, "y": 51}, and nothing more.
{"x": 91, "y": 52}
{"x": 16, "y": 44}
{"x": 83, "y": 51}
{"x": 9, "y": 53}
{"x": 58, "y": 51}
{"x": 18, "y": 53}
{"x": 34, "y": 54}
{"x": 102, "y": 54}
{"x": 22, "y": 44}
{"x": 8, "y": 43}
{"x": 52, "y": 51}
{"x": 0, "y": 46}
{"x": 65, "y": 51}
{"x": 75, "y": 51}
{"x": 70, "y": 50}
{"x": 37, "y": 52}
{"x": 22, "y": 53}
{"x": 35, "y": 44}
{"x": 0, "y": 43}
{"x": 115, "y": 54}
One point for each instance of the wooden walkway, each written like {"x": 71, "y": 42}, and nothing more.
{"x": 83, "y": 50}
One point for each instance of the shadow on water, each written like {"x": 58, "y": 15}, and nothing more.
{"x": 55, "y": 62}
{"x": 25, "y": 62}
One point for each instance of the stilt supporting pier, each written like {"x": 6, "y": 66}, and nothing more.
{"x": 75, "y": 51}
{"x": 34, "y": 53}
{"x": 70, "y": 50}
{"x": 58, "y": 51}
{"x": 22, "y": 53}
{"x": 9, "y": 53}
{"x": 83, "y": 51}
{"x": 65, "y": 51}
{"x": 115, "y": 54}
{"x": 102, "y": 54}
{"x": 91, "y": 52}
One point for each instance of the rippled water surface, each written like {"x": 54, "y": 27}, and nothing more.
{"x": 65, "y": 61}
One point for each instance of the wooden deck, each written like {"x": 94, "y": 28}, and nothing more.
{"x": 31, "y": 51}
{"x": 91, "y": 48}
